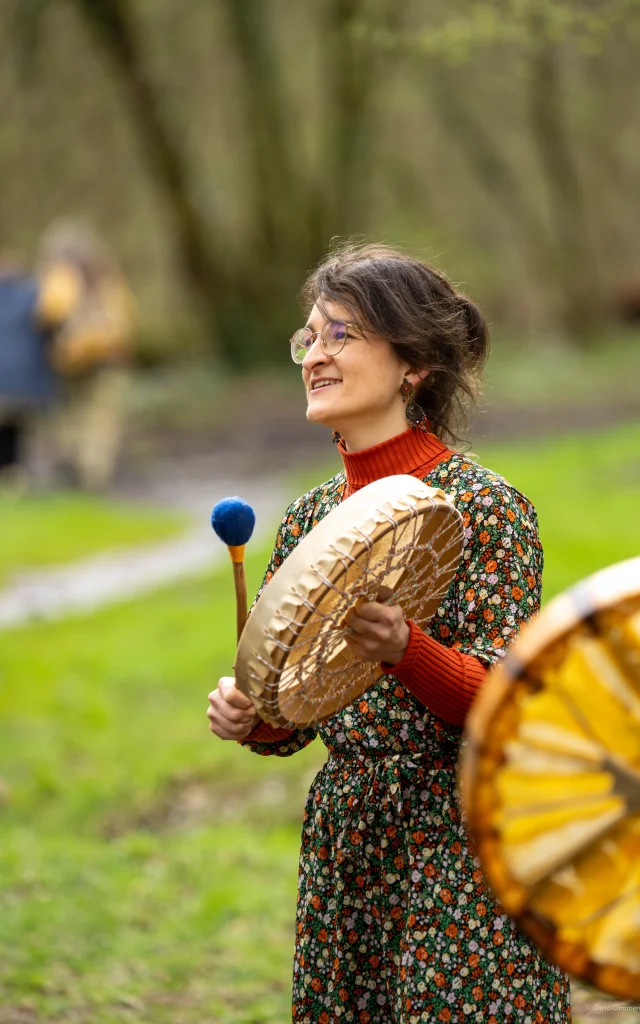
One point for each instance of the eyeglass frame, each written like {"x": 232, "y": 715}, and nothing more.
{"x": 315, "y": 334}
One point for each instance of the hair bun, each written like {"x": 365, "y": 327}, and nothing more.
{"x": 477, "y": 331}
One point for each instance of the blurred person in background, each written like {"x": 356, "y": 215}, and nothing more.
{"x": 27, "y": 380}
{"x": 83, "y": 291}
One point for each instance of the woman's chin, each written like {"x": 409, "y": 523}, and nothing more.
{"x": 319, "y": 415}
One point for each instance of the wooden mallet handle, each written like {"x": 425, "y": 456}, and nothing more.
{"x": 240, "y": 583}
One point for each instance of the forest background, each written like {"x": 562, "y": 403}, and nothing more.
{"x": 221, "y": 149}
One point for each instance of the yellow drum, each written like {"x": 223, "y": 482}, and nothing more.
{"x": 551, "y": 780}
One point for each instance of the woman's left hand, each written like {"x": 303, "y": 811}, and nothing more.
{"x": 380, "y": 632}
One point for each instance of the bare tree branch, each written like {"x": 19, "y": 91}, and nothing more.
{"x": 112, "y": 24}
{"x": 268, "y": 128}
{"x": 352, "y": 81}
{"x": 551, "y": 135}
{"x": 486, "y": 160}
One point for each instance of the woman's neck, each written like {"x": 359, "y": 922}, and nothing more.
{"x": 359, "y": 436}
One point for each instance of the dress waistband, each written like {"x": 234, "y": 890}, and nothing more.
{"x": 420, "y": 758}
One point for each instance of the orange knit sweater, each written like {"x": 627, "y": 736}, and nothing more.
{"x": 443, "y": 679}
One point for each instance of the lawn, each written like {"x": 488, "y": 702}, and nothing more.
{"x": 47, "y": 530}
{"x": 149, "y": 871}
{"x": 586, "y": 489}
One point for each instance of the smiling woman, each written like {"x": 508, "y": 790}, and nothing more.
{"x": 395, "y": 924}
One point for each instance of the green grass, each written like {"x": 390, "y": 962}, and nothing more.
{"x": 158, "y": 928}
{"x": 586, "y": 489}
{"x": 46, "y": 530}
{"x": 149, "y": 870}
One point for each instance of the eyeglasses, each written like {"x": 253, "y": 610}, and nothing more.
{"x": 333, "y": 338}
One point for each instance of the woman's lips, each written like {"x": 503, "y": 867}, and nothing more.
{"x": 326, "y": 387}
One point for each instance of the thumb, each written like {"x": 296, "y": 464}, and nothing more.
{"x": 232, "y": 695}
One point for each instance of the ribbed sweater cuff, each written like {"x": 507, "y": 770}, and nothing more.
{"x": 265, "y": 733}
{"x": 443, "y": 679}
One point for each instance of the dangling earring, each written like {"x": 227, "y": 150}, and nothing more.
{"x": 336, "y": 437}
{"x": 415, "y": 413}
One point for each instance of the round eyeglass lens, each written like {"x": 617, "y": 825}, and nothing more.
{"x": 300, "y": 343}
{"x": 334, "y": 336}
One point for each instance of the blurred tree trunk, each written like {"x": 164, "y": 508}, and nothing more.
{"x": 351, "y": 79}
{"x": 275, "y": 193}
{"x": 112, "y": 24}
{"x": 560, "y": 253}
{"x": 249, "y": 306}
{"x": 300, "y": 204}
{"x": 486, "y": 162}
{"x": 580, "y": 292}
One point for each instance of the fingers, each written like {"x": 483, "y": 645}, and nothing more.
{"x": 378, "y": 640}
{"x": 370, "y": 616}
{"x": 227, "y": 713}
{"x": 374, "y": 652}
{"x": 228, "y": 729}
{"x": 367, "y": 646}
{"x": 374, "y": 605}
{"x": 231, "y": 715}
{"x": 359, "y": 650}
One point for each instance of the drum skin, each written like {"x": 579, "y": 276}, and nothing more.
{"x": 292, "y": 660}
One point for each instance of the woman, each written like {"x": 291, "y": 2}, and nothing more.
{"x": 394, "y": 921}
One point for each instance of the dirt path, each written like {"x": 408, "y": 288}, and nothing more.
{"x": 118, "y": 575}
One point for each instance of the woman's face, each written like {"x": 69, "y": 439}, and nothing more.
{"x": 363, "y": 380}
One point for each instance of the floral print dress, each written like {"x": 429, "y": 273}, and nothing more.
{"x": 394, "y": 922}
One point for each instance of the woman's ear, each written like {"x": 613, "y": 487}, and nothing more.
{"x": 415, "y": 377}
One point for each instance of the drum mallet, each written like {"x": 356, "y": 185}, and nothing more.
{"x": 233, "y": 520}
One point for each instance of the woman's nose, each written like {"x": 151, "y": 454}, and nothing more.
{"x": 315, "y": 354}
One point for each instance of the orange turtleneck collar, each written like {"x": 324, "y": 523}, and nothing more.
{"x": 414, "y": 452}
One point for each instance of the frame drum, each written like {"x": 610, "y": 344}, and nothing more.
{"x": 396, "y": 540}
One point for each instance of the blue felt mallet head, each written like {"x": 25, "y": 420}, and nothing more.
{"x": 233, "y": 520}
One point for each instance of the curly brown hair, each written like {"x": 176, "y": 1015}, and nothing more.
{"x": 417, "y": 310}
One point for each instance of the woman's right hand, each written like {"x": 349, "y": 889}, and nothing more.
{"x": 231, "y": 715}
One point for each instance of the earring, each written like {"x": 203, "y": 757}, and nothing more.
{"x": 336, "y": 437}
{"x": 415, "y": 413}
